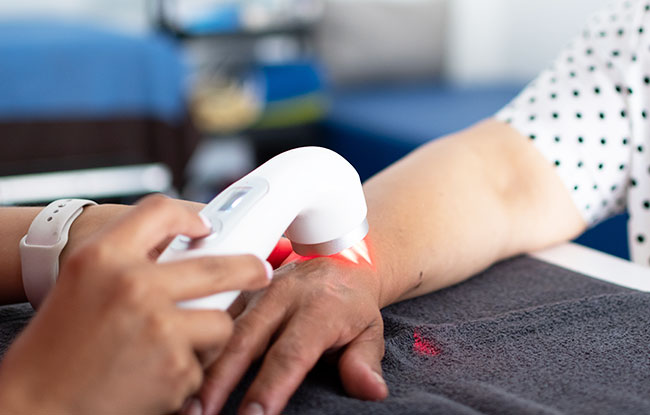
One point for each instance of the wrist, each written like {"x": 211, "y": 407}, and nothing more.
{"x": 390, "y": 284}
{"x": 399, "y": 275}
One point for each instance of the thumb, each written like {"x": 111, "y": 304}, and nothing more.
{"x": 360, "y": 365}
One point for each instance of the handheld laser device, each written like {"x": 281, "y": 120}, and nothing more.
{"x": 312, "y": 195}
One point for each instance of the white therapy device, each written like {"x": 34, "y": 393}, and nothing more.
{"x": 312, "y": 195}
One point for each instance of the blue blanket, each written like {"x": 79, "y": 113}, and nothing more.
{"x": 53, "y": 70}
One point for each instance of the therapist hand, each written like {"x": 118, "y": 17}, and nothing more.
{"x": 110, "y": 338}
{"x": 322, "y": 305}
{"x": 94, "y": 218}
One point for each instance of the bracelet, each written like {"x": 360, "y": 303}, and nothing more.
{"x": 41, "y": 246}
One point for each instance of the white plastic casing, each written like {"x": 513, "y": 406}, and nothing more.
{"x": 312, "y": 195}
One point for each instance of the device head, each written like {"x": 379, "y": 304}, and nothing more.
{"x": 331, "y": 206}
{"x": 333, "y": 246}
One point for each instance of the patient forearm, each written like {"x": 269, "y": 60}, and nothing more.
{"x": 458, "y": 204}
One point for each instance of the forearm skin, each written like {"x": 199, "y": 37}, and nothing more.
{"x": 458, "y": 204}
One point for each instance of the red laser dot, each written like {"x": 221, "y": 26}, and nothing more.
{"x": 424, "y": 346}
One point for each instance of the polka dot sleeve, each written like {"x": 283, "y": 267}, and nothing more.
{"x": 586, "y": 113}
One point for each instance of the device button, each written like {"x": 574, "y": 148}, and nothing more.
{"x": 198, "y": 243}
{"x": 181, "y": 243}
{"x": 217, "y": 226}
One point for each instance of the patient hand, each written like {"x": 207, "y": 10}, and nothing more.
{"x": 323, "y": 305}
{"x": 110, "y": 338}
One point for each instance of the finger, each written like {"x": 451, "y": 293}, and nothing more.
{"x": 158, "y": 249}
{"x": 199, "y": 277}
{"x": 155, "y": 219}
{"x": 285, "y": 366}
{"x": 360, "y": 365}
{"x": 251, "y": 336}
{"x": 193, "y": 378}
{"x": 205, "y": 330}
{"x": 208, "y": 357}
{"x": 237, "y": 307}
{"x": 155, "y": 252}
{"x": 281, "y": 251}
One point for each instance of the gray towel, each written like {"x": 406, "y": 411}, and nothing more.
{"x": 12, "y": 320}
{"x": 524, "y": 337}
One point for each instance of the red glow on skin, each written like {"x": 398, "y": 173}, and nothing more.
{"x": 280, "y": 253}
{"x": 357, "y": 254}
{"x": 424, "y": 346}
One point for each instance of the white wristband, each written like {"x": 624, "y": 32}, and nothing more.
{"x": 41, "y": 247}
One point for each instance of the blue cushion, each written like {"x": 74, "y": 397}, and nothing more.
{"x": 393, "y": 120}
{"x": 55, "y": 70}
{"x": 417, "y": 113}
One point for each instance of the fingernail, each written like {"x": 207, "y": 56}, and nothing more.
{"x": 269, "y": 269}
{"x": 379, "y": 378}
{"x": 253, "y": 408}
{"x": 192, "y": 406}
{"x": 205, "y": 220}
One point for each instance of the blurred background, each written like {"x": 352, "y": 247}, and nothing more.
{"x": 114, "y": 99}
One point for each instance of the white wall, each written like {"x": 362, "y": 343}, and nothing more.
{"x": 492, "y": 40}
{"x": 501, "y": 40}
{"x": 486, "y": 40}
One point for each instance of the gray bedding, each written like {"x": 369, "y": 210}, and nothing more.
{"x": 524, "y": 337}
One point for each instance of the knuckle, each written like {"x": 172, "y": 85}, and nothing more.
{"x": 318, "y": 310}
{"x": 290, "y": 354}
{"x": 238, "y": 342}
{"x": 178, "y": 366}
{"x": 162, "y": 205}
{"x": 320, "y": 304}
{"x": 243, "y": 330}
{"x": 154, "y": 201}
{"x": 94, "y": 252}
{"x": 161, "y": 328}
{"x": 212, "y": 265}
{"x": 283, "y": 292}
{"x": 129, "y": 288}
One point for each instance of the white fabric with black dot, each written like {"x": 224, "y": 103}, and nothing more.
{"x": 589, "y": 114}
